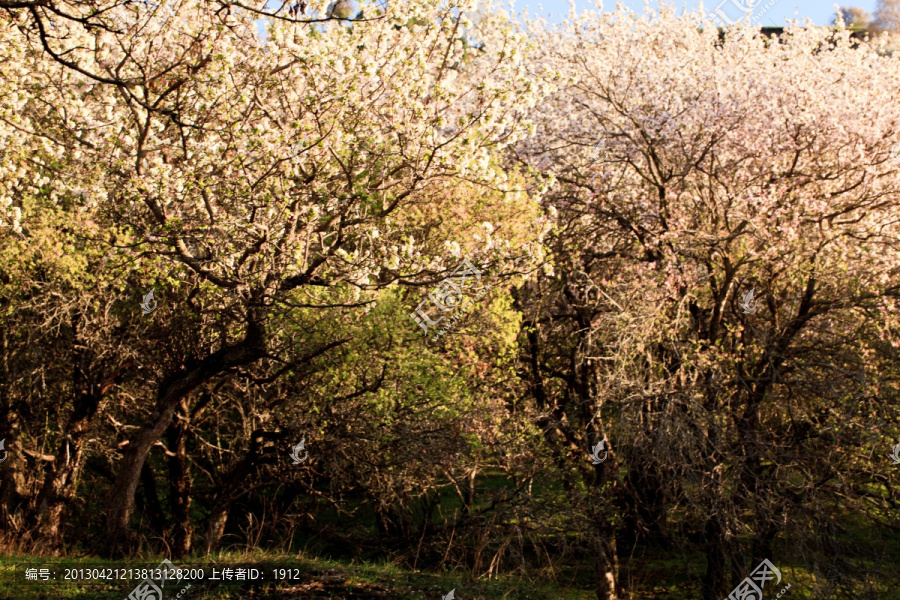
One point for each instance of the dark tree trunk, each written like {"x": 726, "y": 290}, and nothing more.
{"x": 606, "y": 560}
{"x": 61, "y": 479}
{"x": 170, "y": 394}
{"x": 12, "y": 480}
{"x": 13, "y": 497}
{"x": 153, "y": 506}
{"x": 121, "y": 505}
{"x": 762, "y": 541}
{"x": 644, "y": 504}
{"x": 180, "y": 483}
{"x": 716, "y": 580}
{"x": 231, "y": 484}
{"x": 570, "y": 448}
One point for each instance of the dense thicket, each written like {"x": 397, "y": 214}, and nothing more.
{"x": 681, "y": 246}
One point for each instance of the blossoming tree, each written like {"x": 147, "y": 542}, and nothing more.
{"x": 252, "y": 175}
{"x": 726, "y": 273}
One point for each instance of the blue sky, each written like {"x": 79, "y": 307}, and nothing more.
{"x": 819, "y": 11}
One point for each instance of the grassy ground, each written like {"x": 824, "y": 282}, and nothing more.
{"x": 647, "y": 574}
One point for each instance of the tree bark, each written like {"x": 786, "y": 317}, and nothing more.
{"x": 644, "y": 504}
{"x": 469, "y": 492}
{"x": 230, "y": 486}
{"x": 215, "y": 528}
{"x": 153, "y": 506}
{"x": 716, "y": 579}
{"x": 607, "y": 555}
{"x": 180, "y": 483}
{"x": 12, "y": 479}
{"x": 569, "y": 448}
{"x": 170, "y": 393}
{"x": 607, "y": 565}
{"x": 61, "y": 479}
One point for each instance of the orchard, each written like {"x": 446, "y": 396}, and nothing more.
{"x": 607, "y": 308}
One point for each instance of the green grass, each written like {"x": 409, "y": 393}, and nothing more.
{"x": 648, "y": 574}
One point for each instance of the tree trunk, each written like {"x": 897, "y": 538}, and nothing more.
{"x": 716, "y": 579}
{"x": 644, "y": 504}
{"x": 606, "y": 549}
{"x": 171, "y": 392}
{"x": 152, "y": 507}
{"x": 469, "y": 500}
{"x": 180, "y": 484}
{"x": 121, "y": 503}
{"x": 12, "y": 479}
{"x": 763, "y": 538}
{"x": 230, "y": 484}
{"x": 61, "y": 479}
{"x": 215, "y": 528}
{"x": 607, "y": 567}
